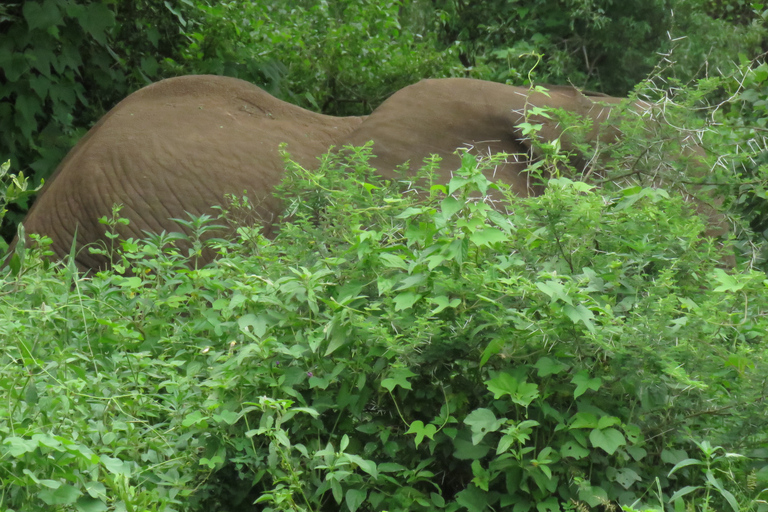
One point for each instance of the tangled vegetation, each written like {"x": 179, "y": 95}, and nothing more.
{"x": 399, "y": 345}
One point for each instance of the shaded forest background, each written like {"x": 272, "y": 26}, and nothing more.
{"x": 64, "y": 63}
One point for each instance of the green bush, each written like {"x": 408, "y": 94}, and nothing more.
{"x": 63, "y": 64}
{"x": 398, "y": 346}
{"x": 340, "y": 58}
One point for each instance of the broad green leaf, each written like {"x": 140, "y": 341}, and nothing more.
{"x": 482, "y": 421}
{"x": 581, "y": 314}
{"x": 584, "y": 420}
{"x": 474, "y": 499}
{"x": 594, "y": 496}
{"x": 225, "y": 416}
{"x": 437, "y": 500}
{"x": 728, "y": 282}
{"x": 64, "y": 495}
{"x": 393, "y": 261}
{"x": 688, "y": 303}
{"x": 527, "y": 392}
{"x": 96, "y": 19}
{"x": 421, "y": 431}
{"x": 19, "y": 446}
{"x": 116, "y": 466}
{"x": 547, "y": 366}
{"x": 449, "y": 206}
{"x": 574, "y": 450}
{"x": 96, "y": 490}
{"x": 355, "y": 498}
{"x": 257, "y": 323}
{"x": 555, "y": 290}
{"x": 487, "y": 236}
{"x": 442, "y": 303}
{"x": 608, "y": 421}
{"x": 481, "y": 475}
{"x": 502, "y": 384}
{"x": 409, "y": 212}
{"x": 42, "y": 15}
{"x": 608, "y": 439}
{"x": 682, "y": 492}
{"x": 405, "y": 300}
{"x": 90, "y": 504}
{"x": 411, "y": 281}
{"x": 466, "y": 450}
{"x": 195, "y": 418}
{"x": 583, "y": 383}
{"x": 493, "y": 348}
{"x": 398, "y": 377}
{"x": 366, "y": 465}
{"x": 626, "y": 477}
{"x": 685, "y": 463}
{"x": 390, "y": 467}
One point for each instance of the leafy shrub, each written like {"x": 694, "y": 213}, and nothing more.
{"x": 63, "y": 64}
{"x": 340, "y": 58}
{"x": 601, "y": 45}
{"x": 398, "y": 346}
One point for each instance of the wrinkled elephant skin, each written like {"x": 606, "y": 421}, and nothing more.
{"x": 181, "y": 144}
{"x": 173, "y": 147}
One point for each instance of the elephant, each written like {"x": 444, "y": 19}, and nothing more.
{"x": 181, "y": 144}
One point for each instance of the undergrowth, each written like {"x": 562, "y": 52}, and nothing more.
{"x": 394, "y": 348}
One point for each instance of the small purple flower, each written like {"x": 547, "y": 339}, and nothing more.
{"x": 309, "y": 374}
{"x": 277, "y": 363}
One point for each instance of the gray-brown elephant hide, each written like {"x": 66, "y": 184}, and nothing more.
{"x": 173, "y": 147}
{"x": 181, "y": 144}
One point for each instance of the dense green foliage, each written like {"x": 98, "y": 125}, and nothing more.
{"x": 394, "y": 351}
{"x": 399, "y": 346}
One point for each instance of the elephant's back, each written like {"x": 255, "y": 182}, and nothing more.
{"x": 174, "y": 147}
